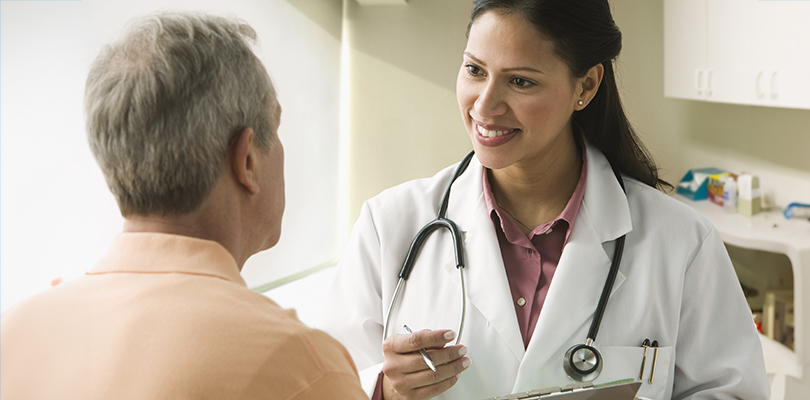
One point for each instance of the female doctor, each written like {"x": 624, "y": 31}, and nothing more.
{"x": 541, "y": 213}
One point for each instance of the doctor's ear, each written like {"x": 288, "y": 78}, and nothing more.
{"x": 243, "y": 160}
{"x": 588, "y": 84}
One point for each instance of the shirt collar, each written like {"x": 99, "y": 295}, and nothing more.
{"x": 569, "y": 213}
{"x": 160, "y": 253}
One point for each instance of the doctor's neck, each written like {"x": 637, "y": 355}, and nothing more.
{"x": 536, "y": 190}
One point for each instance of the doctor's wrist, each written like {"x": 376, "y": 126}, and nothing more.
{"x": 387, "y": 391}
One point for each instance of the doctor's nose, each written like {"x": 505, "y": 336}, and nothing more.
{"x": 490, "y": 102}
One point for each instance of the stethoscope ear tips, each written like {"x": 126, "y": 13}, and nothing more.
{"x": 582, "y": 363}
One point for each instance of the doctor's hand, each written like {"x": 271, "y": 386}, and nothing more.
{"x": 405, "y": 373}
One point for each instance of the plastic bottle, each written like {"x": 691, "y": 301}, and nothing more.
{"x": 730, "y": 195}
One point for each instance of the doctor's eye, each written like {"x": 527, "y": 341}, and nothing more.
{"x": 473, "y": 70}
{"x": 522, "y": 83}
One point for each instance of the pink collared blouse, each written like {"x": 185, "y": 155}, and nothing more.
{"x": 530, "y": 261}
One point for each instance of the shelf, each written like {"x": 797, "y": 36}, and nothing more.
{"x": 779, "y": 358}
{"x": 771, "y": 232}
{"x": 768, "y": 231}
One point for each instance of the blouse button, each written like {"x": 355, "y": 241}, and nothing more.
{"x": 521, "y": 302}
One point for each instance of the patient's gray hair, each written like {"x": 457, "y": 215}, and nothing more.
{"x": 164, "y": 102}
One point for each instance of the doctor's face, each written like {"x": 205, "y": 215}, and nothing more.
{"x": 515, "y": 94}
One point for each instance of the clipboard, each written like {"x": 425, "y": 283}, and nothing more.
{"x": 618, "y": 390}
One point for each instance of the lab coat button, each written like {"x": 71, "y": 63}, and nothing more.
{"x": 521, "y": 302}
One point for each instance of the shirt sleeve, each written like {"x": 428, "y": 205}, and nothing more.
{"x": 718, "y": 353}
{"x": 378, "y": 388}
{"x": 334, "y": 385}
{"x": 337, "y": 376}
{"x": 305, "y": 363}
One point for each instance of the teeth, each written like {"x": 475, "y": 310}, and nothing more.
{"x": 489, "y": 133}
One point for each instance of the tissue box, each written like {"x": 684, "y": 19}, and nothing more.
{"x": 694, "y": 185}
{"x": 716, "y": 183}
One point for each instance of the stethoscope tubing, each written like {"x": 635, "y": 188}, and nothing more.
{"x": 441, "y": 221}
{"x": 614, "y": 270}
{"x": 398, "y": 291}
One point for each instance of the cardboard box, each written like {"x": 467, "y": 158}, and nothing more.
{"x": 715, "y": 189}
{"x": 694, "y": 185}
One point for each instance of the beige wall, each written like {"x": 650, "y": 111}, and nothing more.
{"x": 404, "y": 122}
{"x": 640, "y": 66}
{"x": 403, "y": 119}
{"x": 328, "y": 14}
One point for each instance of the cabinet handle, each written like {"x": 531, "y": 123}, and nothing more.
{"x": 709, "y": 85}
{"x": 698, "y": 81}
{"x": 760, "y": 93}
{"x": 774, "y": 92}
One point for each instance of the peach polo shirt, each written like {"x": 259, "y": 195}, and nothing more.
{"x": 166, "y": 317}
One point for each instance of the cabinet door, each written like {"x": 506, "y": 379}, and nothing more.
{"x": 684, "y": 48}
{"x": 729, "y": 50}
{"x": 781, "y": 36}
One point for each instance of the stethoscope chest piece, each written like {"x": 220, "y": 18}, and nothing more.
{"x": 582, "y": 363}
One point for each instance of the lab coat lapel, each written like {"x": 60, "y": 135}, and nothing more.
{"x": 580, "y": 276}
{"x": 485, "y": 276}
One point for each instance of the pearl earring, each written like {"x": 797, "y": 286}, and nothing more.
{"x": 582, "y": 103}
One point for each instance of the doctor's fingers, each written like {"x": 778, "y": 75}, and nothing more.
{"x": 424, "y": 392}
{"x": 425, "y": 384}
{"x": 447, "y": 354}
{"x": 413, "y": 362}
{"x": 410, "y": 371}
{"x": 441, "y": 356}
{"x": 424, "y": 339}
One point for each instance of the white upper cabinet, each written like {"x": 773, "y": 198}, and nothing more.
{"x": 781, "y": 32}
{"x": 752, "y": 52}
{"x": 728, "y": 49}
{"x": 685, "y": 48}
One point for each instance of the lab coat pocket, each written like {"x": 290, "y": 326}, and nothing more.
{"x": 622, "y": 362}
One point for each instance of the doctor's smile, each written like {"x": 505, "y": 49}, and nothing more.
{"x": 494, "y": 135}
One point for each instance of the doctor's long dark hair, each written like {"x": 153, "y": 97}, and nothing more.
{"x": 584, "y": 35}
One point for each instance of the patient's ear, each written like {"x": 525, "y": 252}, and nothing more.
{"x": 243, "y": 160}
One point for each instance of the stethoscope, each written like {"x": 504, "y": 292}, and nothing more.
{"x": 581, "y": 362}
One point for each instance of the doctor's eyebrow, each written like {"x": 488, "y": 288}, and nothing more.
{"x": 529, "y": 69}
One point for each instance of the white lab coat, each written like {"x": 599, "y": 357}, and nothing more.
{"x": 676, "y": 285}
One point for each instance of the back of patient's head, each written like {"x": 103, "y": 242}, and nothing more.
{"x": 164, "y": 102}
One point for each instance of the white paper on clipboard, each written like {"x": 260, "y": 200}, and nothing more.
{"x": 622, "y": 390}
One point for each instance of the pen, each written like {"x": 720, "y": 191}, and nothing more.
{"x": 646, "y": 345}
{"x": 655, "y": 360}
{"x": 423, "y": 353}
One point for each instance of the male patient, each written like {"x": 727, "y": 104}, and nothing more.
{"x": 182, "y": 119}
